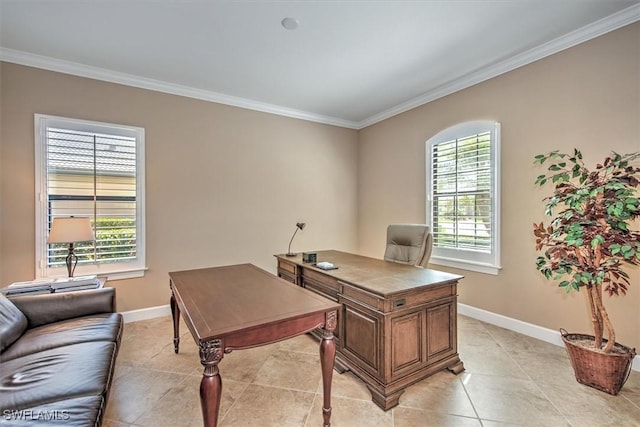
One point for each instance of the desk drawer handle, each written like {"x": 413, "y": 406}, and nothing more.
{"x": 399, "y": 302}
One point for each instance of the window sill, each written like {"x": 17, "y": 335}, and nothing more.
{"x": 115, "y": 274}
{"x": 466, "y": 265}
{"x": 124, "y": 274}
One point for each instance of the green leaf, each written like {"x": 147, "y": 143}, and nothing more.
{"x": 576, "y": 171}
{"x": 597, "y": 240}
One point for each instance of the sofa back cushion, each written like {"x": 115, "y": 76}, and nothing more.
{"x": 12, "y": 323}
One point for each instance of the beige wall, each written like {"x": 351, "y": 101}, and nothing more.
{"x": 1, "y": 177}
{"x": 586, "y": 97}
{"x": 227, "y": 185}
{"x": 224, "y": 185}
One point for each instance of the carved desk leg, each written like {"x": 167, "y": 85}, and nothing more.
{"x": 211, "y": 354}
{"x": 327, "y": 359}
{"x": 175, "y": 314}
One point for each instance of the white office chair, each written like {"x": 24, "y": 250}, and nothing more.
{"x": 409, "y": 244}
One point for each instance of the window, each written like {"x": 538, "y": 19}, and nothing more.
{"x": 93, "y": 170}
{"x": 463, "y": 196}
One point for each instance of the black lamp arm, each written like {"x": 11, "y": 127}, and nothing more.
{"x": 299, "y": 226}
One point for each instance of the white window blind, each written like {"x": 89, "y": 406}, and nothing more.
{"x": 463, "y": 196}
{"x": 92, "y": 170}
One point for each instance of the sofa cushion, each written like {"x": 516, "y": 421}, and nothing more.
{"x": 99, "y": 327}
{"x": 67, "y": 372}
{"x": 78, "y": 412}
{"x": 12, "y": 323}
{"x": 50, "y": 308}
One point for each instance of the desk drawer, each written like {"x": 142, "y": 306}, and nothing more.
{"x": 324, "y": 280}
{"x": 287, "y": 276}
{"x": 320, "y": 288}
{"x": 288, "y": 267}
{"x": 363, "y": 297}
{"x": 415, "y": 298}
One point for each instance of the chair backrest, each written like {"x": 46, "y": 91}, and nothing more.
{"x": 409, "y": 244}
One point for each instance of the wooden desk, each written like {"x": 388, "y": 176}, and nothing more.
{"x": 242, "y": 306}
{"x": 397, "y": 324}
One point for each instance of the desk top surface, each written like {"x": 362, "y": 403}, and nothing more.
{"x": 374, "y": 275}
{"x": 221, "y": 301}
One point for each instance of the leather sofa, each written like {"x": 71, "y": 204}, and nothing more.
{"x": 57, "y": 357}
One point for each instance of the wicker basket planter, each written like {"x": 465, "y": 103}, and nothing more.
{"x": 603, "y": 371}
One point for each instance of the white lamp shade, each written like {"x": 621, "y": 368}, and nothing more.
{"x": 71, "y": 229}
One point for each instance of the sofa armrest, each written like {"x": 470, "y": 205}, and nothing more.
{"x": 48, "y": 308}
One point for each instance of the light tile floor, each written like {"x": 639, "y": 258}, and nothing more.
{"x": 510, "y": 380}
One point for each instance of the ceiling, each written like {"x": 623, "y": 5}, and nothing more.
{"x": 349, "y": 63}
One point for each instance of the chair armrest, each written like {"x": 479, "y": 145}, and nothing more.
{"x": 48, "y": 308}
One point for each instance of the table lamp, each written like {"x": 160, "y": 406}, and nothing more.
{"x": 299, "y": 226}
{"x": 71, "y": 230}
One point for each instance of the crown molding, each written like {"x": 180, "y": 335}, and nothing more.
{"x": 613, "y": 22}
{"x": 80, "y": 70}
{"x": 605, "y": 25}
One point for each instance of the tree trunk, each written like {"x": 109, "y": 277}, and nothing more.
{"x": 596, "y": 317}
{"x": 611, "y": 335}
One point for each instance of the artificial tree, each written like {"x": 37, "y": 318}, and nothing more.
{"x": 589, "y": 238}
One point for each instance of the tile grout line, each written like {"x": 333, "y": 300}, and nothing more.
{"x": 235, "y": 401}
{"x": 466, "y": 392}
{"x": 540, "y": 389}
{"x": 313, "y": 401}
{"x": 529, "y": 377}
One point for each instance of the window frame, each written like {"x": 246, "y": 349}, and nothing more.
{"x": 115, "y": 271}
{"x": 488, "y": 263}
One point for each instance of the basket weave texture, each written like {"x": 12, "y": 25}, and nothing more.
{"x": 603, "y": 371}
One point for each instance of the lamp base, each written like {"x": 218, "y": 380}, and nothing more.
{"x": 291, "y": 254}
{"x": 71, "y": 260}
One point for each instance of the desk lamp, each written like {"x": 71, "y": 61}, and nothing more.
{"x": 299, "y": 226}
{"x": 71, "y": 230}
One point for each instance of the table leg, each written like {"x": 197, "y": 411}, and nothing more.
{"x": 211, "y": 354}
{"x": 175, "y": 314}
{"x": 327, "y": 359}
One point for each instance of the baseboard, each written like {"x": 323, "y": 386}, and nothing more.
{"x": 531, "y": 330}
{"x": 146, "y": 313}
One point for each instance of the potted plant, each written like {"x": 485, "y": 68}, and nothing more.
{"x": 587, "y": 243}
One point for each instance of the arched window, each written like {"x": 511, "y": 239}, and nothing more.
{"x": 463, "y": 196}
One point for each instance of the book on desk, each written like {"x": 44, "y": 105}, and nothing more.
{"x": 63, "y": 284}
{"x": 51, "y": 285}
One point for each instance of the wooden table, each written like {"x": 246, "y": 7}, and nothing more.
{"x": 397, "y": 324}
{"x": 241, "y": 306}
